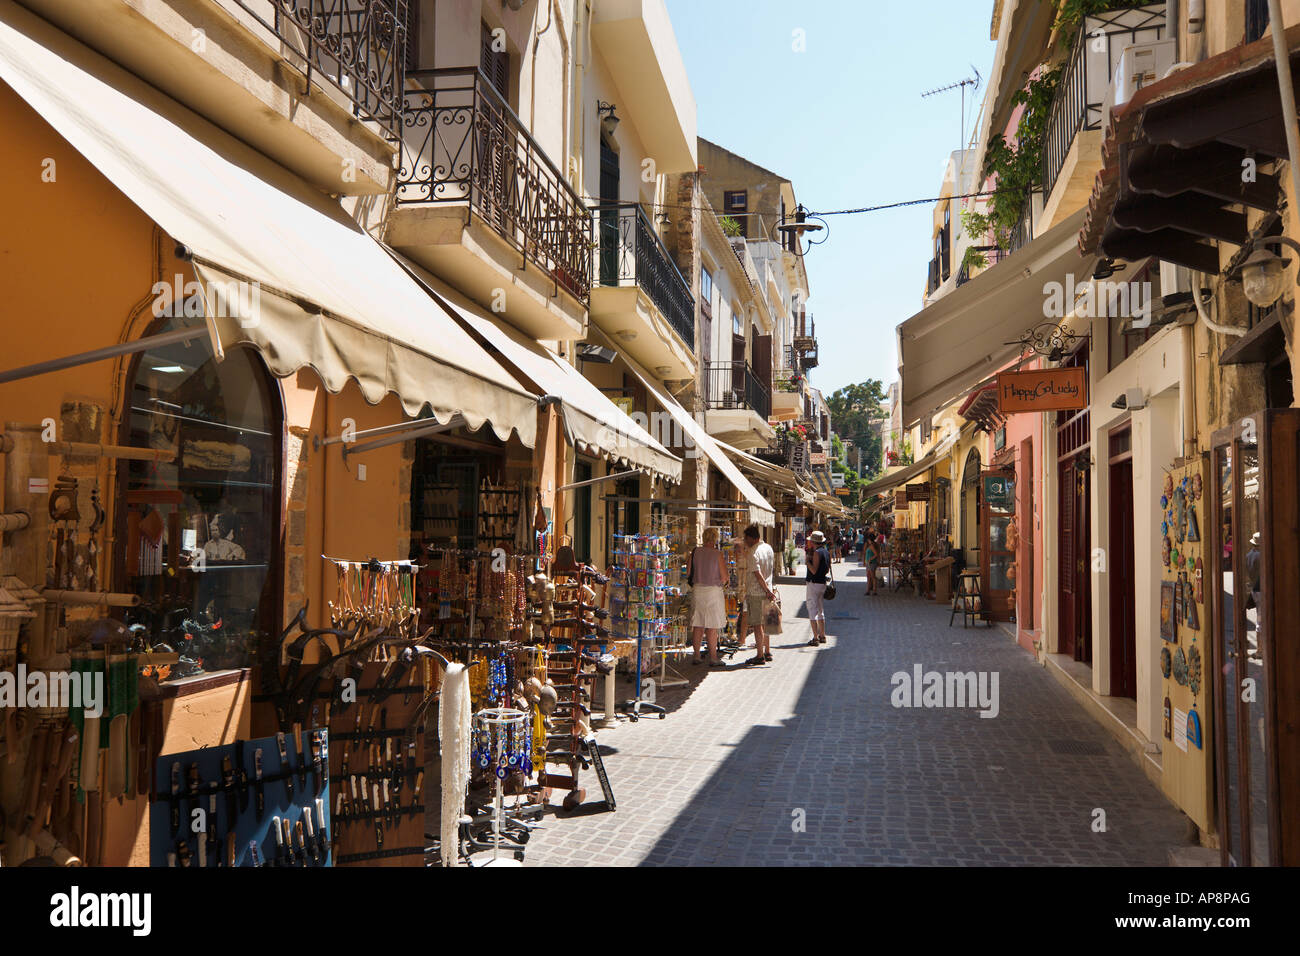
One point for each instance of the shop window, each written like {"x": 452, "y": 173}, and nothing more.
{"x": 444, "y": 499}
{"x": 201, "y": 532}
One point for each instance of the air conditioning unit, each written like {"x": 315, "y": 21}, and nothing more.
{"x": 1139, "y": 65}
{"x": 1174, "y": 279}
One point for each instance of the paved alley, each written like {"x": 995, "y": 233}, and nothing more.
{"x": 805, "y": 761}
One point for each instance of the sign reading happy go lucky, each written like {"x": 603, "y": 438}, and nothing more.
{"x": 1043, "y": 390}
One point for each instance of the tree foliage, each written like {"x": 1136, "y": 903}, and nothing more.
{"x": 853, "y": 408}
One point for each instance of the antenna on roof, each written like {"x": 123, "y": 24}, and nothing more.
{"x": 974, "y": 84}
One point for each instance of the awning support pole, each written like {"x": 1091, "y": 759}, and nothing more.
{"x": 403, "y": 436}
{"x": 596, "y": 481}
{"x": 98, "y": 355}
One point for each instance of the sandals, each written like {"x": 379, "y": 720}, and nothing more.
{"x": 759, "y": 659}
{"x": 813, "y": 643}
{"x": 768, "y": 657}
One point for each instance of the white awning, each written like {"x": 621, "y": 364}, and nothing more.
{"x": 761, "y": 511}
{"x": 313, "y": 289}
{"x": 962, "y": 339}
{"x": 595, "y": 424}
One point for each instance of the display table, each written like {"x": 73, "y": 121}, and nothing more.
{"x": 942, "y": 587}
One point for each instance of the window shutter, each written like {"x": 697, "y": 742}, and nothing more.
{"x": 495, "y": 65}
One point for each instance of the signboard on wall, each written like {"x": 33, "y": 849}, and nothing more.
{"x": 999, "y": 492}
{"x": 837, "y": 479}
{"x": 918, "y": 491}
{"x": 1043, "y": 390}
{"x": 817, "y": 458}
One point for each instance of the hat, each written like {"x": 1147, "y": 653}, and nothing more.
{"x": 817, "y": 537}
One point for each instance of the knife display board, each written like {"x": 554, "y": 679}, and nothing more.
{"x": 379, "y": 739}
{"x": 288, "y": 787}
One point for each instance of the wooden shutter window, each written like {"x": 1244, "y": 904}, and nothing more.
{"x": 494, "y": 64}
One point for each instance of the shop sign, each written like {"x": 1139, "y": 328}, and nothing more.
{"x": 920, "y": 491}
{"x": 817, "y": 458}
{"x": 842, "y": 492}
{"x": 837, "y": 479}
{"x": 999, "y": 491}
{"x": 1043, "y": 390}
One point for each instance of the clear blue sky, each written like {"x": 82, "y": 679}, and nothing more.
{"x": 846, "y": 123}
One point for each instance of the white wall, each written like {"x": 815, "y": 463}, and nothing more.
{"x": 1156, "y": 368}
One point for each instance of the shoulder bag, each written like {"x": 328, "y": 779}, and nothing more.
{"x": 829, "y": 594}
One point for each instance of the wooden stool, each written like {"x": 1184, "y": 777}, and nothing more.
{"x": 968, "y": 601}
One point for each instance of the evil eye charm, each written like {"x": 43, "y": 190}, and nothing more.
{"x": 502, "y": 772}
{"x": 483, "y": 761}
{"x": 1164, "y": 501}
{"x": 514, "y": 759}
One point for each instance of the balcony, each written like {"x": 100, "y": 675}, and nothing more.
{"x": 737, "y": 405}
{"x": 787, "y": 392}
{"x": 805, "y": 340}
{"x": 992, "y": 256}
{"x": 638, "y": 296}
{"x": 314, "y": 84}
{"x": 463, "y": 148}
{"x": 358, "y": 47}
{"x": 1071, "y": 156}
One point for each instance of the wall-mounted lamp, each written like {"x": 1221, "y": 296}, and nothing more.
{"x": 609, "y": 119}
{"x": 595, "y": 353}
{"x": 1133, "y": 400}
{"x": 513, "y": 4}
{"x": 1263, "y": 274}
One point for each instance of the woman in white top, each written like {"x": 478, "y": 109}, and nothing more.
{"x": 708, "y": 572}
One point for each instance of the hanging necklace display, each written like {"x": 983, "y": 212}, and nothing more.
{"x": 92, "y": 540}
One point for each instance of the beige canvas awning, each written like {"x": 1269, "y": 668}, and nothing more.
{"x": 285, "y": 269}
{"x": 776, "y": 475}
{"x": 951, "y": 346}
{"x": 761, "y": 511}
{"x": 595, "y": 425}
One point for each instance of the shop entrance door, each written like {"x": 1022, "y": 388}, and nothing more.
{"x": 1119, "y": 574}
{"x": 1074, "y": 572}
{"x": 996, "y": 557}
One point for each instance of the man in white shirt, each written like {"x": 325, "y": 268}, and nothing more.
{"x": 758, "y": 588}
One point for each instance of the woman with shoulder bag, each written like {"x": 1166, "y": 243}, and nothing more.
{"x": 820, "y": 586}
{"x": 708, "y": 572}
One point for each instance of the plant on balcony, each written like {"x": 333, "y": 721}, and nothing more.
{"x": 730, "y": 227}
{"x": 1072, "y": 12}
{"x": 788, "y": 381}
{"x": 1016, "y": 167}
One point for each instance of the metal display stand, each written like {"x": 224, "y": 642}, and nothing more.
{"x": 636, "y": 704}
{"x": 498, "y": 721}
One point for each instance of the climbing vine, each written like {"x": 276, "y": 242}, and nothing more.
{"x": 1015, "y": 167}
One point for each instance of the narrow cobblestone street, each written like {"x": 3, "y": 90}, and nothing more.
{"x": 723, "y": 779}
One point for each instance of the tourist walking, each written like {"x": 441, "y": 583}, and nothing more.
{"x": 819, "y": 566}
{"x": 708, "y": 572}
{"x": 870, "y": 559}
{"x": 758, "y": 588}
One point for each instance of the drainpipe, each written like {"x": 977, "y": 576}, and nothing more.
{"x": 1281, "y": 55}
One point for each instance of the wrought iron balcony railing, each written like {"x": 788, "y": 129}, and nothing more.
{"x": 631, "y": 253}
{"x": 992, "y": 256}
{"x": 1023, "y": 233}
{"x": 359, "y": 46}
{"x": 734, "y": 385}
{"x": 463, "y": 144}
{"x": 1081, "y": 95}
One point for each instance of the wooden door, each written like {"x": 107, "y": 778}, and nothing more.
{"x": 1073, "y": 572}
{"x": 1119, "y": 575}
{"x": 997, "y": 503}
{"x": 610, "y": 225}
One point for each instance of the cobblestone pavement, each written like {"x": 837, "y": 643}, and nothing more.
{"x": 747, "y": 753}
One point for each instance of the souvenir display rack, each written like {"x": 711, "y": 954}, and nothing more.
{"x": 499, "y": 509}
{"x": 571, "y": 591}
